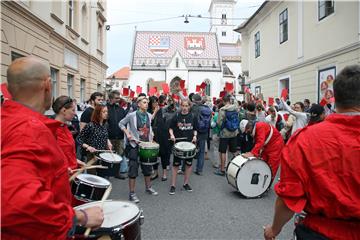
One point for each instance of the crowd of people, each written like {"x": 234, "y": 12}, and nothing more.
{"x": 317, "y": 150}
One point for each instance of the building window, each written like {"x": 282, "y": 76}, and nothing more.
{"x": 223, "y": 34}
{"x": 71, "y": 14}
{"x": 82, "y": 90}
{"x": 84, "y": 26}
{"x": 15, "y": 55}
{"x": 257, "y": 44}
{"x": 284, "y": 84}
{"x": 100, "y": 36}
{"x": 223, "y": 19}
{"x": 177, "y": 62}
{"x": 70, "y": 82}
{"x": 325, "y": 8}
{"x": 54, "y": 81}
{"x": 283, "y": 21}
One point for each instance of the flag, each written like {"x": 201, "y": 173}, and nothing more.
{"x": 165, "y": 88}
{"x": 222, "y": 93}
{"x": 271, "y": 101}
{"x": 125, "y": 91}
{"x": 184, "y": 92}
{"x": 284, "y": 93}
{"x": 138, "y": 89}
{"x": 197, "y": 88}
{"x": 203, "y": 85}
{"x": 175, "y": 97}
{"x": 229, "y": 87}
{"x": 132, "y": 94}
{"x": 182, "y": 84}
{"x": 152, "y": 91}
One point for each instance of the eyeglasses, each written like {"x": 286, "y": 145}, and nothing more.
{"x": 66, "y": 102}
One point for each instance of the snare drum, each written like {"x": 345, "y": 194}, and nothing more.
{"x": 122, "y": 220}
{"x": 250, "y": 176}
{"x": 88, "y": 187}
{"x": 184, "y": 150}
{"x": 148, "y": 152}
{"x": 111, "y": 161}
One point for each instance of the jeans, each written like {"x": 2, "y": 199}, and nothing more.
{"x": 201, "y": 155}
{"x": 118, "y": 146}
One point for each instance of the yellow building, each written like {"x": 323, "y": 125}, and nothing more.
{"x": 70, "y": 35}
{"x": 299, "y": 45}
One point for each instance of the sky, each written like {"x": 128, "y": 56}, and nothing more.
{"x": 120, "y": 37}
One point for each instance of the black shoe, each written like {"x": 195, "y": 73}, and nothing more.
{"x": 187, "y": 188}
{"x": 164, "y": 179}
{"x": 198, "y": 173}
{"x": 172, "y": 190}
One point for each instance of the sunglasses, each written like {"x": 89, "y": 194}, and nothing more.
{"x": 68, "y": 101}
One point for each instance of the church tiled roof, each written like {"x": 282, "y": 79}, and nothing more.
{"x": 154, "y": 50}
{"x": 230, "y": 52}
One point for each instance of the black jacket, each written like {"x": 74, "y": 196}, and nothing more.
{"x": 115, "y": 115}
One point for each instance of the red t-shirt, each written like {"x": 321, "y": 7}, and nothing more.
{"x": 34, "y": 178}
{"x": 67, "y": 144}
{"x": 320, "y": 174}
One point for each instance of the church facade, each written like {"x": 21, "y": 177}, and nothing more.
{"x": 210, "y": 57}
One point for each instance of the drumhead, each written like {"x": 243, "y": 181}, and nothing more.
{"x": 93, "y": 179}
{"x": 149, "y": 145}
{"x": 110, "y": 157}
{"x": 185, "y": 146}
{"x": 253, "y": 178}
{"x": 115, "y": 212}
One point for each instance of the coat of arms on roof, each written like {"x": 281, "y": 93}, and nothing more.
{"x": 159, "y": 45}
{"x": 194, "y": 45}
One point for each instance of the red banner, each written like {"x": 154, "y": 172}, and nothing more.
{"x": 138, "y": 89}
{"x": 165, "y": 88}
{"x": 125, "y": 92}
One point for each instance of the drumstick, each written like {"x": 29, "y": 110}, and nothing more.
{"x": 104, "y": 151}
{"x": 105, "y": 196}
{"x": 89, "y": 163}
{"x": 89, "y": 167}
{"x": 182, "y": 138}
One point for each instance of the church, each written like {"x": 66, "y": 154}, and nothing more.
{"x": 208, "y": 59}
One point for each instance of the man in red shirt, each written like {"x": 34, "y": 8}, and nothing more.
{"x": 320, "y": 171}
{"x": 34, "y": 178}
{"x": 268, "y": 143}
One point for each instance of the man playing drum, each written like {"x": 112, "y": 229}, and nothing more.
{"x": 137, "y": 128}
{"x": 268, "y": 143}
{"x": 36, "y": 197}
{"x": 183, "y": 126}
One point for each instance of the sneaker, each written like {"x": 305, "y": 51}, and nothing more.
{"x": 133, "y": 198}
{"x": 172, "y": 190}
{"x": 219, "y": 172}
{"x": 180, "y": 172}
{"x": 198, "y": 173}
{"x": 187, "y": 188}
{"x": 151, "y": 191}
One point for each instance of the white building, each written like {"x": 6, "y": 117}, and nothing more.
{"x": 299, "y": 45}
{"x": 70, "y": 35}
{"x": 168, "y": 57}
{"x": 222, "y": 23}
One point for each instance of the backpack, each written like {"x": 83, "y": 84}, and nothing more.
{"x": 231, "y": 122}
{"x": 204, "y": 119}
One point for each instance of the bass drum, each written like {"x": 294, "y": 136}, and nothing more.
{"x": 250, "y": 176}
{"x": 122, "y": 220}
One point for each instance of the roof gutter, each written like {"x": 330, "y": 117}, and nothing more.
{"x": 243, "y": 26}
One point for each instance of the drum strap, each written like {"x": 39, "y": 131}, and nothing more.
{"x": 267, "y": 139}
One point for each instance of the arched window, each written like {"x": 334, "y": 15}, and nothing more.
{"x": 177, "y": 62}
{"x": 208, "y": 87}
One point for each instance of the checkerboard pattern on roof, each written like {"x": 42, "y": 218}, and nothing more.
{"x": 143, "y": 55}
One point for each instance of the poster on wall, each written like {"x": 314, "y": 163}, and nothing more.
{"x": 325, "y": 82}
{"x": 257, "y": 91}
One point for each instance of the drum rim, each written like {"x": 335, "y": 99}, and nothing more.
{"x": 154, "y": 146}
{"x": 182, "y": 142}
{"x": 110, "y": 161}
{"x": 122, "y": 225}
{"x": 93, "y": 184}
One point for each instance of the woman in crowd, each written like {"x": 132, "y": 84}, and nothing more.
{"x": 94, "y": 136}
{"x": 64, "y": 109}
{"x": 301, "y": 117}
{"x": 153, "y": 109}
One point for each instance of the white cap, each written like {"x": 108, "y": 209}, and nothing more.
{"x": 243, "y": 124}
